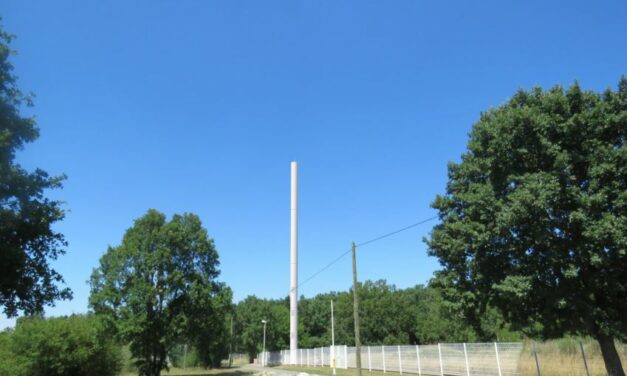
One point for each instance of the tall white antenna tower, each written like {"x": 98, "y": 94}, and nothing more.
{"x": 294, "y": 265}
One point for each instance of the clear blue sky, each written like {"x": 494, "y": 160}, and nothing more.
{"x": 199, "y": 106}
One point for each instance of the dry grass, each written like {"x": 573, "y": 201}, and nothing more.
{"x": 563, "y": 357}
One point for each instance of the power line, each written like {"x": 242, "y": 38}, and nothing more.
{"x": 397, "y": 231}
{"x": 341, "y": 256}
{"x": 324, "y": 268}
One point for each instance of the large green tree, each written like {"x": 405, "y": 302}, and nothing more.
{"x": 27, "y": 241}
{"x": 534, "y": 219}
{"x": 159, "y": 288}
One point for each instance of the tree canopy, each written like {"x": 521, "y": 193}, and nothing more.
{"x": 159, "y": 287}
{"x": 534, "y": 219}
{"x": 27, "y": 240}
{"x": 390, "y": 316}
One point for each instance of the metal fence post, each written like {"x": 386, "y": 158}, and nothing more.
{"x": 583, "y": 354}
{"x": 440, "y": 356}
{"x": 498, "y": 360}
{"x": 418, "y": 360}
{"x": 369, "y": 361}
{"x": 466, "y": 359}
{"x": 400, "y": 362}
{"x": 322, "y": 356}
{"x": 535, "y": 355}
{"x": 383, "y": 357}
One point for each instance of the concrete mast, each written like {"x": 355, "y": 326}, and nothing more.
{"x": 294, "y": 265}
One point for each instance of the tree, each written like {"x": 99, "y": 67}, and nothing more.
{"x": 75, "y": 345}
{"x": 211, "y": 335}
{"x": 433, "y": 319}
{"x": 314, "y": 316}
{"x": 159, "y": 286}
{"x": 248, "y": 315}
{"x": 534, "y": 219}
{"x": 391, "y": 316}
{"x": 27, "y": 282}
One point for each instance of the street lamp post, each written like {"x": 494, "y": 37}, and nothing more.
{"x": 265, "y": 357}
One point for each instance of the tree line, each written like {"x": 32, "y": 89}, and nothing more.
{"x": 389, "y": 316}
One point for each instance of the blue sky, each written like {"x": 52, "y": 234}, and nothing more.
{"x": 199, "y": 106}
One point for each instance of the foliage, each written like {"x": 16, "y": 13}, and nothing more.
{"x": 182, "y": 357}
{"x": 417, "y": 315}
{"x": 159, "y": 288}
{"x": 74, "y": 345}
{"x": 249, "y": 328}
{"x": 8, "y": 363}
{"x": 534, "y": 219}
{"x": 210, "y": 334}
{"x": 27, "y": 282}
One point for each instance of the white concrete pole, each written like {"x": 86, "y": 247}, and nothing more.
{"x": 332, "y": 339}
{"x": 383, "y": 357}
{"x": 265, "y": 357}
{"x": 498, "y": 360}
{"x": 418, "y": 360}
{"x": 440, "y": 356}
{"x": 294, "y": 263}
{"x": 466, "y": 359}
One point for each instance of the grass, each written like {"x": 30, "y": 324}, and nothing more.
{"x": 199, "y": 372}
{"x": 563, "y": 357}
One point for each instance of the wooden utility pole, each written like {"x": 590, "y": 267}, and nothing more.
{"x": 356, "y": 314}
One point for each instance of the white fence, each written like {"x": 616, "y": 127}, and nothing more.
{"x": 463, "y": 359}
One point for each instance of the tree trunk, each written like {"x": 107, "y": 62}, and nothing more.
{"x": 610, "y": 355}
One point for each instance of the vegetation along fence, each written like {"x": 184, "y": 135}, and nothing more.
{"x": 463, "y": 359}
{"x": 237, "y": 359}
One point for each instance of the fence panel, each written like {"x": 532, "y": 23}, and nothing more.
{"x": 450, "y": 359}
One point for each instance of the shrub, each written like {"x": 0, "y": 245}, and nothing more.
{"x": 69, "y": 346}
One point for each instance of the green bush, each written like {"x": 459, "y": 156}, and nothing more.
{"x": 178, "y": 358}
{"x": 68, "y": 346}
{"x": 8, "y": 363}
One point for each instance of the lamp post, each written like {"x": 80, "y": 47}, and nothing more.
{"x": 265, "y": 357}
